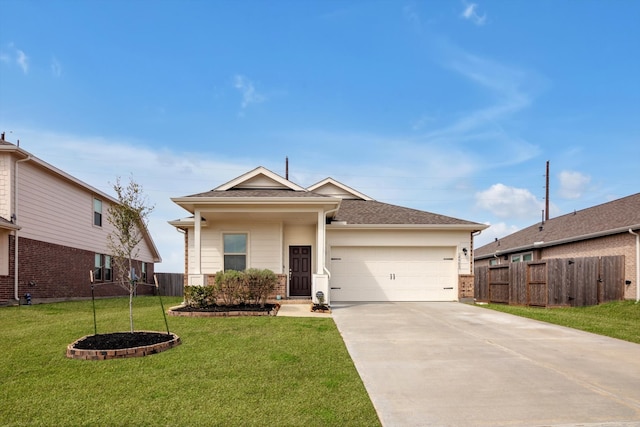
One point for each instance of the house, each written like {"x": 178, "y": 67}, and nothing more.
{"x": 329, "y": 238}
{"x": 608, "y": 229}
{"x": 53, "y": 232}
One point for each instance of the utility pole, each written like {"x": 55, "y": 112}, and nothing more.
{"x": 546, "y": 198}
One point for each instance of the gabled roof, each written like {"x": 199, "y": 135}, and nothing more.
{"x": 260, "y": 178}
{"x": 354, "y": 209}
{"x": 371, "y": 212}
{"x": 333, "y": 188}
{"x": 614, "y": 217}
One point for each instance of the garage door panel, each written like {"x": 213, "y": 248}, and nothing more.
{"x": 393, "y": 274}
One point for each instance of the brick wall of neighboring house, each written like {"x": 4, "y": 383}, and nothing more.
{"x": 54, "y": 272}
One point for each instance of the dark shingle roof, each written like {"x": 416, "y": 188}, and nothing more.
{"x": 372, "y": 212}
{"x": 611, "y": 216}
{"x": 257, "y": 193}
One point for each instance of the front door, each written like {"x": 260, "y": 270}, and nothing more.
{"x": 300, "y": 271}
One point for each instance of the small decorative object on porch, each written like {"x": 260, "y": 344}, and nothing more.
{"x": 320, "y": 306}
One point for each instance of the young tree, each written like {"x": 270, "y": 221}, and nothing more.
{"x": 129, "y": 219}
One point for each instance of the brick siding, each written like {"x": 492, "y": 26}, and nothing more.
{"x": 54, "y": 272}
{"x": 465, "y": 286}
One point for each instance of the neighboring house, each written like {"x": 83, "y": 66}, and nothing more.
{"x": 328, "y": 238}
{"x": 53, "y": 232}
{"x": 608, "y": 229}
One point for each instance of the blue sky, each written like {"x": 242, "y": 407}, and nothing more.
{"x": 451, "y": 107}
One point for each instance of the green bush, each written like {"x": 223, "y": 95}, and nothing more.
{"x": 200, "y": 296}
{"x": 260, "y": 284}
{"x": 231, "y": 287}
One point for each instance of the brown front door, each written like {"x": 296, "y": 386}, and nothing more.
{"x": 300, "y": 271}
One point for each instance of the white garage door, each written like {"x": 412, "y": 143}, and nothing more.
{"x": 393, "y": 274}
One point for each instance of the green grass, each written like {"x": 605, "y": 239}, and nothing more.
{"x": 228, "y": 371}
{"x": 619, "y": 319}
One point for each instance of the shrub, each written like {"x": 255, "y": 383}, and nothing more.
{"x": 260, "y": 284}
{"x": 230, "y": 287}
{"x": 199, "y": 296}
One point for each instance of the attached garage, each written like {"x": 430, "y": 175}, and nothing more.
{"x": 393, "y": 273}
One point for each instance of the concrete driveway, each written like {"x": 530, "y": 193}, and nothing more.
{"x": 452, "y": 364}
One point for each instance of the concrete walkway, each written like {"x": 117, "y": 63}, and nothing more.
{"x": 299, "y": 310}
{"x": 452, "y": 364}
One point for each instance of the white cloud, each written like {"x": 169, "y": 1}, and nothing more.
{"x": 573, "y": 184}
{"x": 470, "y": 13}
{"x": 22, "y": 60}
{"x": 249, "y": 93}
{"x": 16, "y": 56}
{"x": 509, "y": 91}
{"x": 509, "y": 202}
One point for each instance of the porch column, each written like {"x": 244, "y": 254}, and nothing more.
{"x": 196, "y": 242}
{"x": 320, "y": 247}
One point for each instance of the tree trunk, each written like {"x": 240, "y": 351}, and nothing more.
{"x": 131, "y": 288}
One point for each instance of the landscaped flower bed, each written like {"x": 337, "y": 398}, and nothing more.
{"x": 225, "y": 310}
{"x": 235, "y": 293}
{"x": 121, "y": 345}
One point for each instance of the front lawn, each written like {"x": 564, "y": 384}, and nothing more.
{"x": 620, "y": 319}
{"x": 228, "y": 371}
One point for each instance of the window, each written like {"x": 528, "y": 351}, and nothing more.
{"x": 144, "y": 272}
{"x": 102, "y": 268}
{"x": 97, "y": 212}
{"x": 494, "y": 261}
{"x": 108, "y": 271}
{"x": 4, "y": 253}
{"x": 522, "y": 257}
{"x": 97, "y": 268}
{"x": 235, "y": 252}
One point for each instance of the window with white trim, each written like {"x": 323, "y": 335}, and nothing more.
{"x": 97, "y": 212}
{"x": 494, "y": 261}
{"x": 144, "y": 272}
{"x": 235, "y": 251}
{"x": 526, "y": 257}
{"x": 97, "y": 268}
{"x": 108, "y": 270}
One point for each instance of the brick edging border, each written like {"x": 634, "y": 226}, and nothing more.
{"x": 76, "y": 353}
{"x": 173, "y": 312}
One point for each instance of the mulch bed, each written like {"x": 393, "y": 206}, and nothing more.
{"x": 226, "y": 308}
{"x": 120, "y": 340}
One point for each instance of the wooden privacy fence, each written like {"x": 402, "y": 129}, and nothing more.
{"x": 171, "y": 284}
{"x": 552, "y": 282}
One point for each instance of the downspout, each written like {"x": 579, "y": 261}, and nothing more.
{"x": 637, "y": 264}
{"x": 324, "y": 267}
{"x": 15, "y": 242}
